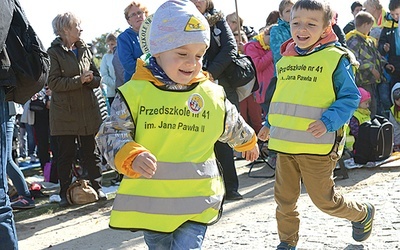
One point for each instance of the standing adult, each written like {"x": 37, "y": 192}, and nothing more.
{"x": 128, "y": 48}
{"x": 355, "y": 8}
{"x": 375, "y": 8}
{"x": 216, "y": 60}
{"x": 8, "y": 233}
{"x": 74, "y": 110}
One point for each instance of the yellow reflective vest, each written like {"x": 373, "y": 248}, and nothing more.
{"x": 180, "y": 129}
{"x": 303, "y": 92}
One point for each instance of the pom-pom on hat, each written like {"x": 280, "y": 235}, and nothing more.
{"x": 365, "y": 95}
{"x": 175, "y": 23}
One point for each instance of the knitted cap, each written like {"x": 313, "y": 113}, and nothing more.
{"x": 175, "y": 23}
{"x": 365, "y": 95}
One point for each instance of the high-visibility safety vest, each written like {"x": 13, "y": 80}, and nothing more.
{"x": 303, "y": 92}
{"x": 180, "y": 129}
{"x": 361, "y": 119}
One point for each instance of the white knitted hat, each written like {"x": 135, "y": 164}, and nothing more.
{"x": 175, "y": 23}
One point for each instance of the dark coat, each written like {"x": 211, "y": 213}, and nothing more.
{"x": 388, "y": 36}
{"x": 74, "y": 108}
{"x": 219, "y": 55}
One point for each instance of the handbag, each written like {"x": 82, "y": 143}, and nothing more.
{"x": 37, "y": 105}
{"x": 81, "y": 193}
{"x": 241, "y": 71}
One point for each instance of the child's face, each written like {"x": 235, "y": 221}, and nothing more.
{"x": 395, "y": 14}
{"x": 182, "y": 64}
{"x": 232, "y": 24}
{"x": 267, "y": 36}
{"x": 285, "y": 15}
{"x": 397, "y": 101}
{"x": 365, "y": 104}
{"x": 365, "y": 28}
{"x": 307, "y": 27}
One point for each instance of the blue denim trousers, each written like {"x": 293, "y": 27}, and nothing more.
{"x": 13, "y": 171}
{"x": 189, "y": 235}
{"x": 8, "y": 234}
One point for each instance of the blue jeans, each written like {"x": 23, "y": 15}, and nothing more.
{"x": 13, "y": 170}
{"x": 8, "y": 234}
{"x": 189, "y": 235}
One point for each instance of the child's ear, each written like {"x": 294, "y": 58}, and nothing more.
{"x": 327, "y": 30}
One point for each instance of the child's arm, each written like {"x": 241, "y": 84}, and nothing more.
{"x": 347, "y": 97}
{"x": 115, "y": 141}
{"x": 238, "y": 134}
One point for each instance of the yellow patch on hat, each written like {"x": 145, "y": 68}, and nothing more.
{"x": 194, "y": 24}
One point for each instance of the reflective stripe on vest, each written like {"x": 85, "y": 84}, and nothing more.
{"x": 187, "y": 184}
{"x": 303, "y": 92}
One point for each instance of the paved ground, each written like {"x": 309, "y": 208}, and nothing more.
{"x": 246, "y": 224}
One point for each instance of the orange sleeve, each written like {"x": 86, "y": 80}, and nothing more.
{"x": 248, "y": 145}
{"x": 125, "y": 156}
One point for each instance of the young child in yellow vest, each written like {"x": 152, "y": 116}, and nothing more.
{"x": 394, "y": 116}
{"x": 161, "y": 133}
{"x": 361, "y": 115}
{"x": 315, "y": 96}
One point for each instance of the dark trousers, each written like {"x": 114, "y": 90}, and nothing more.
{"x": 42, "y": 131}
{"x": 67, "y": 149}
{"x": 224, "y": 154}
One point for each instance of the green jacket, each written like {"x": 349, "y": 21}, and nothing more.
{"x": 74, "y": 108}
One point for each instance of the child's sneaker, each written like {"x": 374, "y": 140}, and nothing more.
{"x": 285, "y": 246}
{"x": 362, "y": 230}
{"x": 23, "y": 203}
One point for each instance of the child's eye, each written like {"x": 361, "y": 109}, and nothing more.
{"x": 182, "y": 54}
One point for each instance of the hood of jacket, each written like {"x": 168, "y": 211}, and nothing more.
{"x": 288, "y": 47}
{"x": 213, "y": 17}
{"x": 143, "y": 73}
{"x": 396, "y": 86}
{"x": 389, "y": 22}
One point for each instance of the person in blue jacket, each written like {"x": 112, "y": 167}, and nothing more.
{"x": 315, "y": 97}
{"x": 128, "y": 48}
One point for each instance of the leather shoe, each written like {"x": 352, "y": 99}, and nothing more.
{"x": 233, "y": 196}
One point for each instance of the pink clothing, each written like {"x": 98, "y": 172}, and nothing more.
{"x": 263, "y": 60}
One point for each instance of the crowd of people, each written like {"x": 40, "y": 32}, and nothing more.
{"x": 177, "y": 169}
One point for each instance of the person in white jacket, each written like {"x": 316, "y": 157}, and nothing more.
{"x": 107, "y": 69}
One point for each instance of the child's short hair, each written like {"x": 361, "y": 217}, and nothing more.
{"x": 355, "y": 5}
{"x": 233, "y": 17}
{"x": 362, "y": 18}
{"x": 283, "y": 4}
{"x": 394, "y": 4}
{"x": 317, "y": 5}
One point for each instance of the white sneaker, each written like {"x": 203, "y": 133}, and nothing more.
{"x": 101, "y": 194}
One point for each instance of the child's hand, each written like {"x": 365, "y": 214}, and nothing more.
{"x": 376, "y": 74}
{"x": 263, "y": 134}
{"x": 390, "y": 67}
{"x": 386, "y": 47}
{"x": 145, "y": 164}
{"x": 317, "y": 129}
{"x": 252, "y": 154}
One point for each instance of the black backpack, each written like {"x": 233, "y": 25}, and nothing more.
{"x": 374, "y": 141}
{"x": 30, "y": 63}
